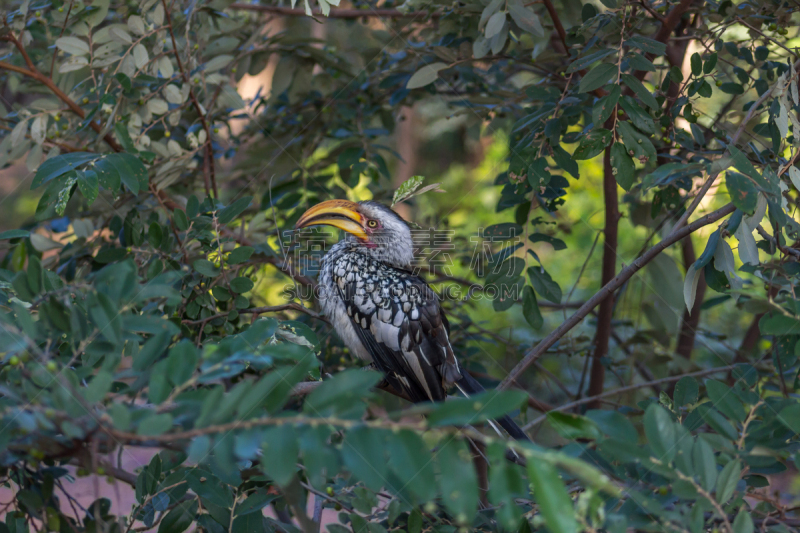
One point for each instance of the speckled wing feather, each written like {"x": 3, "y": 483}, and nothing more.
{"x": 399, "y": 320}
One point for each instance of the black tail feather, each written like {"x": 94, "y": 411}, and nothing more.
{"x": 470, "y": 385}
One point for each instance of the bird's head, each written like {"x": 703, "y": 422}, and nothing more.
{"x": 375, "y": 228}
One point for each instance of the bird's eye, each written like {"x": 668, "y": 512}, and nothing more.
{"x": 372, "y": 223}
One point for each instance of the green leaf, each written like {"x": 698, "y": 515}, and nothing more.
{"x": 778, "y": 324}
{"x": 597, "y": 77}
{"x": 638, "y": 116}
{"x": 585, "y": 61}
{"x": 341, "y": 393}
{"x": 555, "y": 242}
{"x": 494, "y": 24}
{"x": 181, "y": 362}
{"x": 280, "y": 451}
{"x": 98, "y": 387}
{"x": 742, "y": 190}
{"x": 731, "y": 88}
{"x": 14, "y": 234}
{"x": 221, "y": 294}
{"x": 410, "y": 462}
{"x": 710, "y": 63}
{"x": 645, "y": 44}
{"x": 550, "y": 493}
{"x": 697, "y": 64}
{"x": 60, "y": 165}
{"x": 686, "y": 391}
{"x": 107, "y": 175}
{"x": 605, "y": 106}
{"x": 727, "y": 480}
{"x": 206, "y": 268}
{"x": 124, "y": 137}
{"x": 614, "y": 424}
{"x": 526, "y": 19}
{"x": 660, "y": 431}
{"x": 571, "y": 426}
{"x": 718, "y": 422}
{"x": 743, "y": 523}
{"x": 234, "y": 210}
{"x": 592, "y": 144}
{"x": 725, "y": 400}
{"x": 89, "y": 185}
{"x": 364, "y": 454}
{"x": 151, "y": 350}
{"x": 789, "y": 416}
{"x": 179, "y": 518}
{"x": 703, "y": 464}
{"x": 181, "y": 222}
{"x": 530, "y": 308}
{"x": 426, "y": 75}
{"x": 240, "y": 285}
{"x": 565, "y": 161}
{"x": 130, "y": 169}
{"x": 636, "y": 142}
{"x": 622, "y": 166}
{"x": 641, "y": 91}
{"x": 155, "y": 424}
{"x": 458, "y": 483}
{"x": 637, "y": 61}
{"x": 240, "y": 255}
{"x": 544, "y": 284}
{"x": 477, "y": 408}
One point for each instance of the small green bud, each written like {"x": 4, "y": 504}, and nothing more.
{"x": 13, "y": 360}
{"x": 52, "y": 366}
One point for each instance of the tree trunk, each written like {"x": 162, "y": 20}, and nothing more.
{"x": 606, "y": 311}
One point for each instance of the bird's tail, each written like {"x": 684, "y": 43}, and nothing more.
{"x": 469, "y": 385}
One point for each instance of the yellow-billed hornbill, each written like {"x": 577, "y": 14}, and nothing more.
{"x": 384, "y": 313}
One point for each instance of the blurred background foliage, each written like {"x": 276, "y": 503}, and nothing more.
{"x": 155, "y": 156}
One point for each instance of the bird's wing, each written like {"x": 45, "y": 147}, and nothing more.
{"x": 399, "y": 320}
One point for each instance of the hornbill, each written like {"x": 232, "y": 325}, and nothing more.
{"x": 384, "y": 313}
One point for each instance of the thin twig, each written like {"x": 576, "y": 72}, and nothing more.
{"x": 622, "y": 390}
{"x": 31, "y": 72}
{"x": 209, "y": 172}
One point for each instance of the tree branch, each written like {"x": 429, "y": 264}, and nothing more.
{"x": 624, "y": 275}
{"x": 208, "y": 166}
{"x": 629, "y": 388}
{"x": 557, "y": 23}
{"x": 32, "y": 73}
{"x": 606, "y": 311}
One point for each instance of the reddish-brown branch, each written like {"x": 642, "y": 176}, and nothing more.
{"x": 667, "y": 27}
{"x": 335, "y": 13}
{"x": 33, "y": 73}
{"x": 609, "y": 267}
{"x": 557, "y": 23}
{"x": 624, "y": 275}
{"x": 208, "y": 165}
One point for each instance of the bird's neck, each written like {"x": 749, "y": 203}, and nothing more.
{"x": 393, "y": 258}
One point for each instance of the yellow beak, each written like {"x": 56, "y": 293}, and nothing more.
{"x": 340, "y": 214}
